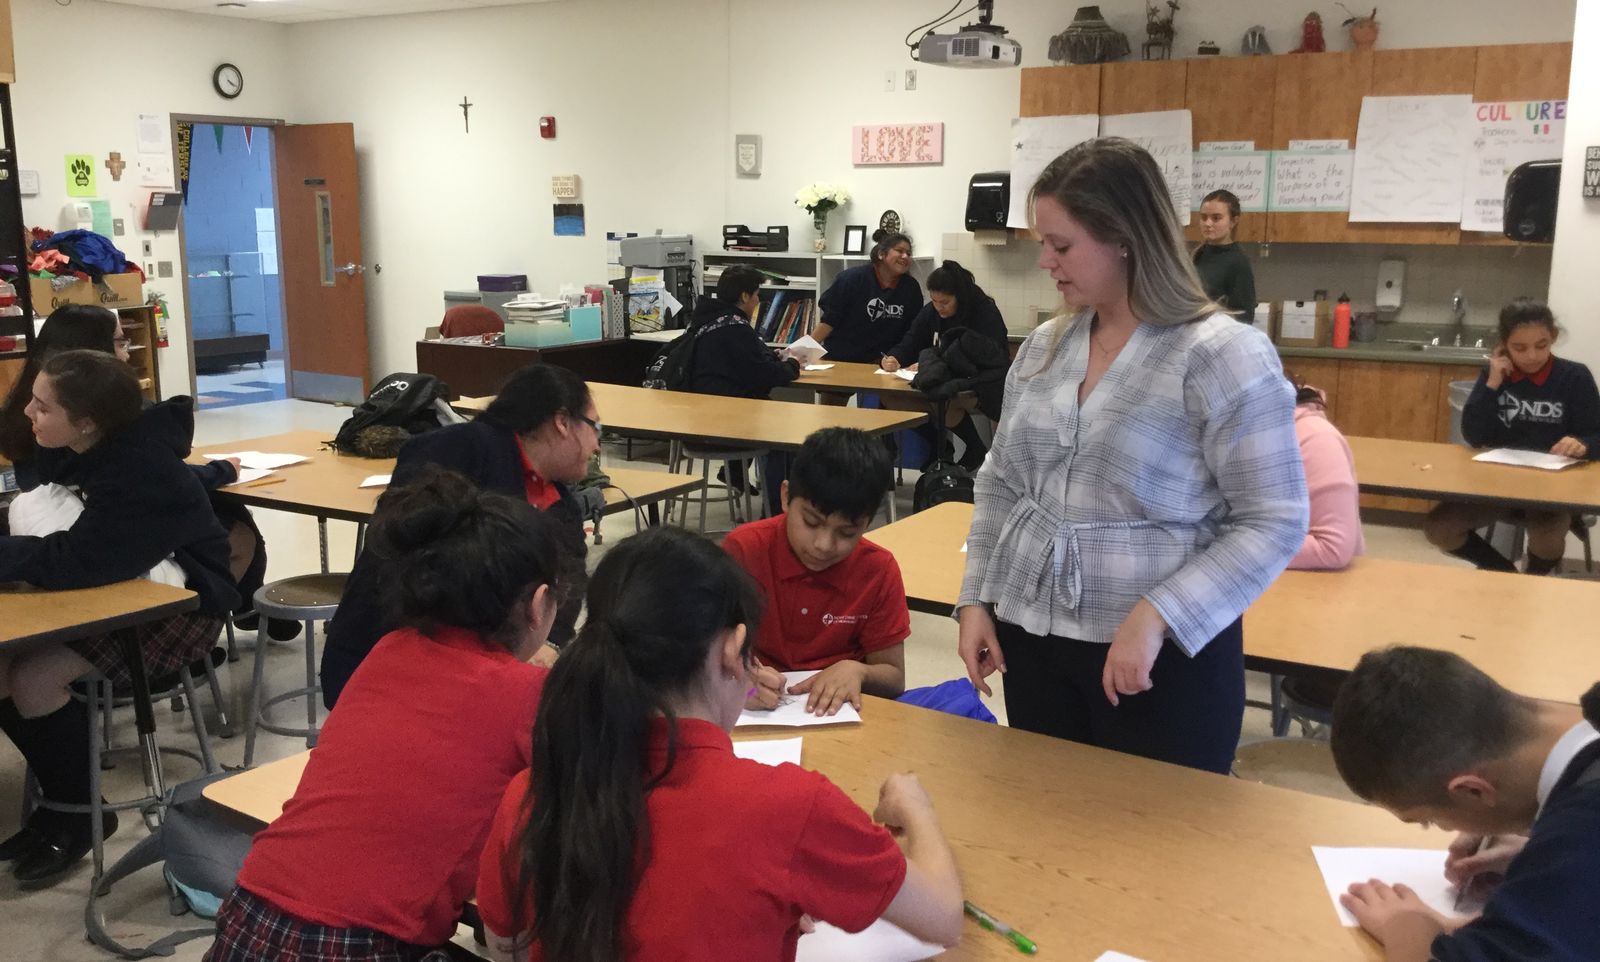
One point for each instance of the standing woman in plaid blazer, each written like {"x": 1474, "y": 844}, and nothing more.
{"x": 1145, "y": 485}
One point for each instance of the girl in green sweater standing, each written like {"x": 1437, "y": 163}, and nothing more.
{"x": 1223, "y": 267}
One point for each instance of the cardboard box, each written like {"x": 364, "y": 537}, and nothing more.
{"x": 117, "y": 290}
{"x": 1305, "y": 323}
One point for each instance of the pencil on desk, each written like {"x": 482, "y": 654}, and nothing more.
{"x": 264, "y": 482}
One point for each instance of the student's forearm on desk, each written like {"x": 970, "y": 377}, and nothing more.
{"x": 1410, "y": 939}
{"x": 883, "y": 680}
{"x": 821, "y": 331}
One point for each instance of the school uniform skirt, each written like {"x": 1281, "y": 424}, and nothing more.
{"x": 167, "y": 645}
{"x": 251, "y": 929}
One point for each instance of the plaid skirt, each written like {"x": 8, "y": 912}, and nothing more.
{"x": 167, "y": 645}
{"x": 251, "y": 929}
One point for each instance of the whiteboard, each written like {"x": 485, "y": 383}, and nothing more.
{"x": 1169, "y": 136}
{"x": 1310, "y": 180}
{"x": 1035, "y": 141}
{"x": 1505, "y": 134}
{"x": 1245, "y": 173}
{"x": 1411, "y": 156}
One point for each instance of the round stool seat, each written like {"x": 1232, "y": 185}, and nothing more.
{"x": 301, "y": 597}
{"x": 1303, "y": 764}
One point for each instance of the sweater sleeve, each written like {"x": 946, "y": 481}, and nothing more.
{"x": 1242, "y": 288}
{"x": 1334, "y": 537}
{"x": 751, "y": 357}
{"x": 919, "y": 336}
{"x": 1480, "y": 416}
{"x": 1583, "y": 411}
{"x": 214, "y": 474}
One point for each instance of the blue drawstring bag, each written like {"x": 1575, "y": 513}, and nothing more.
{"x": 954, "y": 697}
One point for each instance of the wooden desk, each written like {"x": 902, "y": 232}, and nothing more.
{"x": 478, "y": 369}
{"x": 1518, "y": 629}
{"x": 1446, "y": 472}
{"x": 1082, "y": 849}
{"x": 737, "y": 422}
{"x": 30, "y": 616}
{"x": 848, "y": 377}
{"x": 328, "y": 486}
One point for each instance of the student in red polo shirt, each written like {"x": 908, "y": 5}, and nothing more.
{"x": 378, "y": 849}
{"x": 638, "y": 834}
{"x": 835, "y": 601}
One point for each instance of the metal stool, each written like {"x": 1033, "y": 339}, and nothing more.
{"x": 686, "y": 454}
{"x": 308, "y": 599}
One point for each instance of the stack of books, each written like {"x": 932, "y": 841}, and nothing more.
{"x": 533, "y": 308}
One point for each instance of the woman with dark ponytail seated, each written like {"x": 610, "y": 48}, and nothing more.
{"x": 639, "y": 835}
{"x": 377, "y": 851}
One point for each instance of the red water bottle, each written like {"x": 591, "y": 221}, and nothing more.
{"x": 1341, "y": 322}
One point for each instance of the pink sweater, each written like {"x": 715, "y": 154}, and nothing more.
{"x": 1334, "y": 538}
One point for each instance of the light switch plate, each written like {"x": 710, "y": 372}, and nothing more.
{"x": 118, "y": 228}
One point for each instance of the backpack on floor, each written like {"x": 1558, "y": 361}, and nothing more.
{"x": 942, "y": 481}
{"x": 399, "y": 406}
{"x": 201, "y": 853}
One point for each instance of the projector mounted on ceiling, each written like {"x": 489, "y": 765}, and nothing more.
{"x": 981, "y": 44}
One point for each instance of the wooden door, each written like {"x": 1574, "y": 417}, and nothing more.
{"x": 324, "y": 291}
{"x": 1518, "y": 71}
{"x": 1230, "y": 98}
{"x": 1060, "y": 91}
{"x": 1387, "y": 399}
{"x": 1316, "y": 97}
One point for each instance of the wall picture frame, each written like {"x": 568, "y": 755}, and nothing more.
{"x": 855, "y": 238}
{"x": 747, "y": 155}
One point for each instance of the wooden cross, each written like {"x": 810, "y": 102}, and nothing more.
{"x": 115, "y": 164}
{"x": 465, "y": 119}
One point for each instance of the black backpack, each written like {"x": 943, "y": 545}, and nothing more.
{"x": 673, "y": 365}
{"x": 942, "y": 481}
{"x": 399, "y": 406}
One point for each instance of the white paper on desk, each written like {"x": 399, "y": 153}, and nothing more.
{"x": 246, "y": 475}
{"x": 1117, "y": 957}
{"x": 903, "y": 374}
{"x": 808, "y": 351}
{"x": 1526, "y": 459}
{"x": 1422, "y": 869}
{"x": 262, "y": 461}
{"x": 879, "y": 942}
{"x": 774, "y": 752}
{"x": 819, "y": 367}
{"x": 791, "y": 711}
{"x": 375, "y": 481}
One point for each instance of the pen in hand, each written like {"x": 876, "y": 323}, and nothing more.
{"x": 1467, "y": 883}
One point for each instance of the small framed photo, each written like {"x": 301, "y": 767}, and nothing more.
{"x": 855, "y": 238}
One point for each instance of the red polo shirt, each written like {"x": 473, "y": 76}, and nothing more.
{"x": 816, "y": 618}
{"x": 739, "y": 850}
{"x": 385, "y": 829}
{"x": 540, "y": 493}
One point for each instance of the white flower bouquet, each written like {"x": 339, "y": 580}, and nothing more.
{"x": 819, "y": 198}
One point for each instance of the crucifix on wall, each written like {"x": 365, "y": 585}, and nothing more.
{"x": 116, "y": 165}
{"x": 465, "y": 119}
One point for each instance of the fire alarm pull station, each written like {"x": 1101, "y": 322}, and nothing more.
{"x": 547, "y": 128}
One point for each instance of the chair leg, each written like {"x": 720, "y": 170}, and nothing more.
{"x": 705, "y": 490}
{"x": 99, "y": 701}
{"x": 233, "y": 643}
{"x": 1280, "y": 712}
{"x": 311, "y": 685}
{"x": 198, "y": 718}
{"x": 257, "y": 679}
{"x": 224, "y": 727}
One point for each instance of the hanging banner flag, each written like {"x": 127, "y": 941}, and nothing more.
{"x": 185, "y": 138}
{"x": 248, "y": 133}
{"x": 216, "y": 130}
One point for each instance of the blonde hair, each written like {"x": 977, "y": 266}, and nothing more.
{"x": 1114, "y": 188}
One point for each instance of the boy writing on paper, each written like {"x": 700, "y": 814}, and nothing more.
{"x": 1434, "y": 740}
{"x": 835, "y": 601}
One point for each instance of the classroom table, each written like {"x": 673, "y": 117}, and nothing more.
{"x": 1446, "y": 472}
{"x": 1517, "y": 628}
{"x": 1083, "y": 850}
{"x": 849, "y": 377}
{"x": 736, "y": 422}
{"x": 329, "y": 485}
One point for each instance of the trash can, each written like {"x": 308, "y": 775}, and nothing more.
{"x": 1459, "y": 392}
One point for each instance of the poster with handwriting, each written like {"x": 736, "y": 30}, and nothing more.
{"x": 1244, "y": 173}
{"x": 1310, "y": 181}
{"x": 1035, "y": 141}
{"x": 1169, "y": 136}
{"x": 1411, "y": 157}
{"x": 1504, "y": 135}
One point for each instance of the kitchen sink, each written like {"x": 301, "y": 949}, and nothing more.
{"x": 1465, "y": 352}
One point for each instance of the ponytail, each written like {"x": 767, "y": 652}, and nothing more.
{"x": 1591, "y": 705}
{"x": 657, "y": 603}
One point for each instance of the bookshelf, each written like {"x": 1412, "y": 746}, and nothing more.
{"x": 806, "y": 275}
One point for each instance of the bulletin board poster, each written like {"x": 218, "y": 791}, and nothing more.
{"x": 80, "y": 175}
{"x": 1506, "y": 134}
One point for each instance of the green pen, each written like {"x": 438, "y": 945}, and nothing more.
{"x": 998, "y": 927}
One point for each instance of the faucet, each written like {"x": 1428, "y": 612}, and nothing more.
{"x": 1458, "y": 309}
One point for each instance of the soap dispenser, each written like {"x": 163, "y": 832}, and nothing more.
{"x": 1391, "y": 286}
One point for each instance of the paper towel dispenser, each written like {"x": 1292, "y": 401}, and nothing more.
{"x": 1531, "y": 193}
{"x": 988, "y": 200}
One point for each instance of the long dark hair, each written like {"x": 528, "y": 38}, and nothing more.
{"x": 465, "y": 558}
{"x": 657, "y": 602}
{"x": 884, "y": 241}
{"x": 71, "y": 327}
{"x": 535, "y": 394}
{"x": 953, "y": 279}
{"x": 96, "y": 386}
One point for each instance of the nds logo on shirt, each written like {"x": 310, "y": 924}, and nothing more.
{"x": 878, "y": 309}
{"x": 1514, "y": 409}
{"x": 831, "y": 619}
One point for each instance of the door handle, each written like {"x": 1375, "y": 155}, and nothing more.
{"x": 352, "y": 269}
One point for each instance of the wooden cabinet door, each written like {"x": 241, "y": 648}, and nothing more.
{"x": 1418, "y": 73}
{"x": 1316, "y": 97}
{"x": 1387, "y": 399}
{"x": 1230, "y": 98}
{"x": 1135, "y": 86}
{"x": 1453, "y": 372}
{"x": 1518, "y": 71}
{"x": 1058, "y": 91}
{"x": 1316, "y": 372}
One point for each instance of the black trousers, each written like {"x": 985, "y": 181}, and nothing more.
{"x": 1190, "y": 717}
